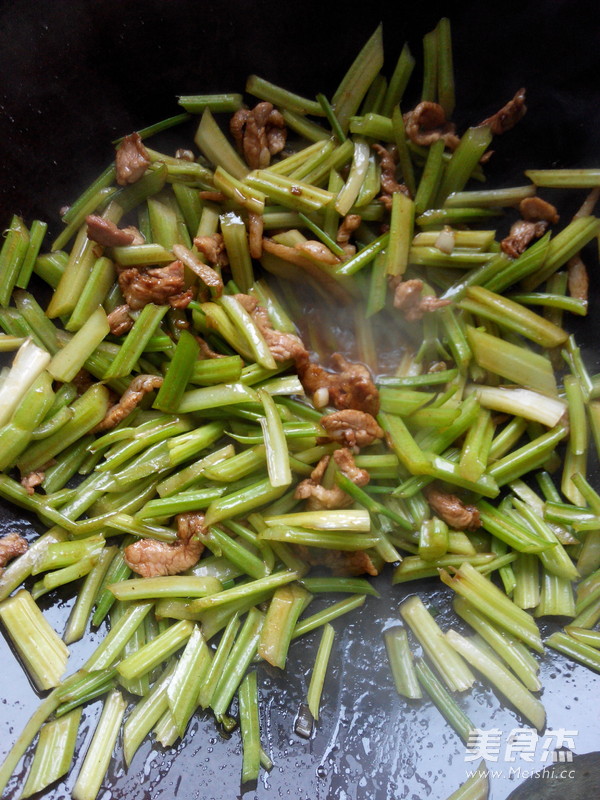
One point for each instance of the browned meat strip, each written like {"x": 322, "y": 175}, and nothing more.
{"x": 521, "y": 234}
{"x": 534, "y": 209}
{"x": 351, "y": 386}
{"x": 256, "y": 226}
{"x": 452, "y": 510}
{"x": 427, "y": 123}
{"x": 206, "y": 350}
{"x": 340, "y": 562}
{"x": 106, "y": 233}
{"x": 33, "y": 479}
{"x": 283, "y": 346}
{"x": 159, "y": 285}
{"x": 131, "y": 159}
{"x": 348, "y": 226}
{"x": 317, "y": 496}
{"x": 150, "y": 558}
{"x": 352, "y": 428}
{"x": 409, "y": 299}
{"x": 212, "y": 196}
{"x": 207, "y": 275}
{"x": 389, "y": 184}
{"x": 213, "y": 248}
{"x": 120, "y": 321}
{"x": 132, "y": 397}
{"x": 508, "y": 116}
{"x": 317, "y": 251}
{"x": 11, "y": 546}
{"x": 259, "y": 133}
{"x": 578, "y": 279}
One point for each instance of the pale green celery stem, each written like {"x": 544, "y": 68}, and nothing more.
{"x": 398, "y": 82}
{"x": 402, "y": 663}
{"x": 249, "y": 722}
{"x": 356, "y": 177}
{"x": 503, "y": 680}
{"x": 43, "y": 653}
{"x": 93, "y": 293}
{"x": 98, "y": 756}
{"x": 317, "y": 679}
{"x": 278, "y": 463}
{"x": 487, "y": 198}
{"x": 577, "y": 651}
{"x": 281, "y": 97}
{"x": 115, "y": 640}
{"x": 464, "y": 159}
{"x": 236, "y": 243}
{"x": 526, "y": 593}
{"x": 240, "y": 657}
{"x": 556, "y": 597}
{"x": 86, "y": 596}
{"x": 212, "y": 142}
{"x": 145, "y": 715}
{"x": 494, "y": 604}
{"x": 75, "y": 276}
{"x": 477, "y": 787}
{"x": 70, "y": 359}
{"x": 186, "y": 681}
{"x": 328, "y": 614}
{"x": 54, "y": 752}
{"x": 305, "y": 127}
{"x": 401, "y": 234}
{"x": 455, "y": 673}
{"x": 156, "y": 651}
{"x": 351, "y": 91}
{"x": 513, "y": 652}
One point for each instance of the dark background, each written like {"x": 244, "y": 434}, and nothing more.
{"x": 75, "y": 75}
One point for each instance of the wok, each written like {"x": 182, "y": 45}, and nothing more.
{"x": 74, "y": 76}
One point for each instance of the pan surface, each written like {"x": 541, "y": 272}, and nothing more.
{"x": 74, "y": 76}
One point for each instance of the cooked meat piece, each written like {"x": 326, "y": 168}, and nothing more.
{"x": 206, "y": 350}
{"x": 82, "y": 380}
{"x": 452, "y": 510}
{"x": 256, "y": 226}
{"x": 317, "y": 251}
{"x": 427, "y": 123}
{"x": 536, "y": 215}
{"x": 209, "y": 277}
{"x": 408, "y": 298}
{"x": 389, "y": 184}
{"x": 578, "y": 278}
{"x": 521, "y": 234}
{"x": 213, "y": 247}
{"x": 589, "y": 204}
{"x": 340, "y": 562}
{"x": 351, "y": 386}
{"x": 132, "y": 396}
{"x": 184, "y": 155}
{"x": 283, "y": 346}
{"x": 349, "y": 224}
{"x": 259, "y": 134}
{"x": 508, "y": 116}
{"x": 104, "y": 232}
{"x": 160, "y": 285}
{"x": 534, "y": 209}
{"x": 212, "y": 196}
{"x": 138, "y": 237}
{"x": 131, "y": 159}
{"x": 150, "y": 558}
{"x": 318, "y": 496}
{"x": 33, "y": 479}
{"x": 11, "y": 546}
{"x": 307, "y": 266}
{"x": 120, "y": 321}
{"x": 352, "y": 428}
